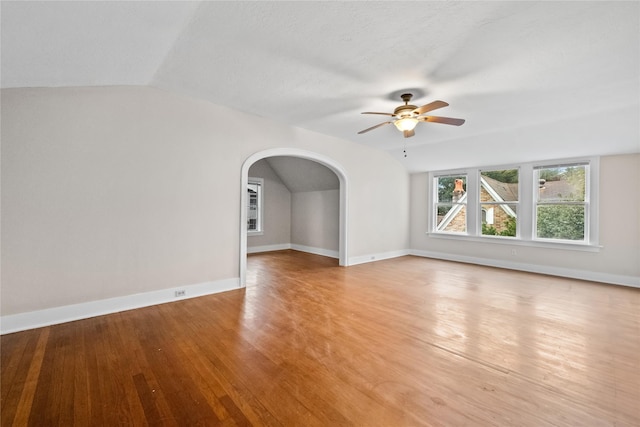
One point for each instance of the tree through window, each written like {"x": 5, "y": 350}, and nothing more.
{"x": 554, "y": 201}
{"x": 561, "y": 202}
{"x": 451, "y": 204}
{"x": 499, "y": 202}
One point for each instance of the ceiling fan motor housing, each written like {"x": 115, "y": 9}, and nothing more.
{"x": 406, "y": 109}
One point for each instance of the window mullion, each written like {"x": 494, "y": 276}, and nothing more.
{"x": 473, "y": 200}
{"x": 526, "y": 216}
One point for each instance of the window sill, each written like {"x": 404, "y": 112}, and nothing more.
{"x": 565, "y": 245}
{"x": 255, "y": 233}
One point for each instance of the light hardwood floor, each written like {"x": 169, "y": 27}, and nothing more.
{"x": 402, "y": 342}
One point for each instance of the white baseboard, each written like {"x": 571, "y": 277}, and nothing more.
{"x": 268, "y": 248}
{"x": 68, "y": 313}
{"x": 377, "y": 257}
{"x": 615, "y": 279}
{"x": 317, "y": 251}
{"x": 309, "y": 249}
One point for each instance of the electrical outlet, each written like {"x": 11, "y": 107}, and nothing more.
{"x": 514, "y": 252}
{"x": 181, "y": 293}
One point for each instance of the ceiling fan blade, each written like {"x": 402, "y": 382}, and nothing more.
{"x": 409, "y": 133}
{"x": 373, "y": 127}
{"x": 444, "y": 120}
{"x": 384, "y": 114}
{"x": 430, "y": 107}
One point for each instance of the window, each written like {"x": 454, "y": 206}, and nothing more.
{"x": 561, "y": 202}
{"x": 255, "y": 202}
{"x": 541, "y": 203}
{"x": 499, "y": 191}
{"x": 451, "y": 203}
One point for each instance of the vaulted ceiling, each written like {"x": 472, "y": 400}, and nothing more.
{"x": 533, "y": 79}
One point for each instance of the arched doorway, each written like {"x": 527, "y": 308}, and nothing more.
{"x": 292, "y": 152}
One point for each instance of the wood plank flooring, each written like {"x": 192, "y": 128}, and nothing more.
{"x": 402, "y": 342}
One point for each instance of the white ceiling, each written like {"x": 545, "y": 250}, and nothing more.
{"x": 533, "y": 79}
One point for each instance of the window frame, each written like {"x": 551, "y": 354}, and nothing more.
{"x": 454, "y": 205}
{"x": 499, "y": 204}
{"x": 260, "y": 209}
{"x": 585, "y": 203}
{"x": 525, "y": 225}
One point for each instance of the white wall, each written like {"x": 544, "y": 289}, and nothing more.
{"x": 109, "y": 192}
{"x": 315, "y": 219}
{"x": 277, "y": 208}
{"x": 618, "y": 261}
{"x": 302, "y": 220}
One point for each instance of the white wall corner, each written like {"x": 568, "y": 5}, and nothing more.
{"x": 362, "y": 259}
{"x": 268, "y": 248}
{"x": 69, "y": 313}
{"x": 316, "y": 251}
{"x": 593, "y": 276}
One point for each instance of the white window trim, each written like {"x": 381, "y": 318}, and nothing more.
{"x": 456, "y": 207}
{"x": 587, "y": 201}
{"x": 260, "y": 230}
{"x": 526, "y": 207}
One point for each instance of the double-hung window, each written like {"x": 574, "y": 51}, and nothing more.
{"x": 562, "y": 202}
{"x": 451, "y": 204}
{"x": 540, "y": 203}
{"x": 255, "y": 200}
{"x": 499, "y": 194}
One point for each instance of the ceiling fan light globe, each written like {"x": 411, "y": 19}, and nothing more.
{"x": 408, "y": 123}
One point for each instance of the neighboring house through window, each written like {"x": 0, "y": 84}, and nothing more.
{"x": 451, "y": 203}
{"x": 562, "y": 202}
{"x": 499, "y": 191}
{"x": 544, "y": 202}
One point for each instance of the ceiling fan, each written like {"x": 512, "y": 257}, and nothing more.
{"x": 407, "y": 116}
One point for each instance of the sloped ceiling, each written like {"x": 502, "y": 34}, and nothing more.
{"x": 533, "y": 79}
{"x": 300, "y": 175}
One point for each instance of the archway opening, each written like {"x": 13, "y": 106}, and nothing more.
{"x": 296, "y": 153}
